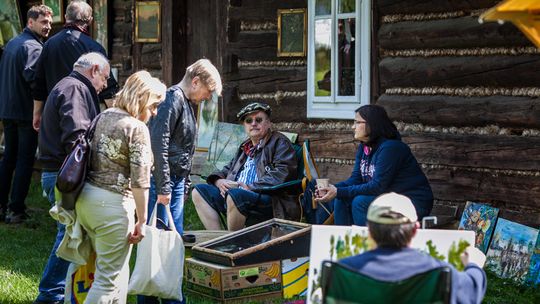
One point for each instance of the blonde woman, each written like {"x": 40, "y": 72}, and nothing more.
{"x": 117, "y": 185}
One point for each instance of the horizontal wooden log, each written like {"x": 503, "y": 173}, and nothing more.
{"x": 388, "y": 7}
{"x": 255, "y": 39}
{"x": 494, "y": 71}
{"x": 250, "y": 53}
{"x": 464, "y": 32}
{"x": 286, "y": 110}
{"x": 260, "y": 80}
{"x": 262, "y": 10}
{"x": 504, "y": 111}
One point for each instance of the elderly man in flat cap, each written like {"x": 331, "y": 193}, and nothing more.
{"x": 392, "y": 223}
{"x": 266, "y": 159}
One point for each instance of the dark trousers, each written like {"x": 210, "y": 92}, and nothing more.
{"x": 20, "y": 142}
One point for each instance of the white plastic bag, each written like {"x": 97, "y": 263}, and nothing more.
{"x": 159, "y": 266}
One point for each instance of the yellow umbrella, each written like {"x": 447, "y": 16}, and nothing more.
{"x": 525, "y": 14}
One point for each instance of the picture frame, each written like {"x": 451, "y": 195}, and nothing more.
{"x": 57, "y": 7}
{"x": 100, "y": 24}
{"x": 207, "y": 119}
{"x": 147, "y": 21}
{"x": 10, "y": 21}
{"x": 292, "y": 32}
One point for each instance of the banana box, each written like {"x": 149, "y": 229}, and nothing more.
{"x": 225, "y": 283}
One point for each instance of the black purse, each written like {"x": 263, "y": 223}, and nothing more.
{"x": 72, "y": 173}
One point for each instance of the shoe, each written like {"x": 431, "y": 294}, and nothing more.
{"x": 16, "y": 218}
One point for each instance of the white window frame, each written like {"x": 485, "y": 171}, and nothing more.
{"x": 333, "y": 106}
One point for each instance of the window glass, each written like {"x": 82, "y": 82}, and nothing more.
{"x": 323, "y": 50}
{"x": 346, "y": 54}
{"x": 323, "y": 7}
{"x": 346, "y": 6}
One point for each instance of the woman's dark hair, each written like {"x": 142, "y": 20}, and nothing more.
{"x": 378, "y": 123}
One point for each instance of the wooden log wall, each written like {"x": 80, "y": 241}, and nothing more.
{"x": 466, "y": 99}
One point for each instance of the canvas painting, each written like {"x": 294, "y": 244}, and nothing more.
{"x": 225, "y": 142}
{"x": 511, "y": 249}
{"x": 10, "y": 21}
{"x": 534, "y": 269}
{"x": 337, "y": 242}
{"x": 481, "y": 219}
{"x": 207, "y": 118}
{"x": 57, "y": 8}
{"x": 147, "y": 21}
{"x": 100, "y": 25}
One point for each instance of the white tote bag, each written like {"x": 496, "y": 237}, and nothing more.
{"x": 159, "y": 266}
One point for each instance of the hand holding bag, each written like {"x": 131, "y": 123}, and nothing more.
{"x": 72, "y": 173}
{"x": 159, "y": 265}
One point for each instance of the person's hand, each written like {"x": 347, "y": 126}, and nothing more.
{"x": 224, "y": 185}
{"x": 473, "y": 255}
{"x": 243, "y": 186}
{"x": 164, "y": 199}
{"x": 36, "y": 121}
{"x": 330, "y": 193}
{"x": 138, "y": 233}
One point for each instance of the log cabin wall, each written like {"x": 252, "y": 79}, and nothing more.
{"x": 463, "y": 94}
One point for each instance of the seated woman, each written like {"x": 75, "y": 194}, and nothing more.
{"x": 117, "y": 185}
{"x": 266, "y": 159}
{"x": 383, "y": 164}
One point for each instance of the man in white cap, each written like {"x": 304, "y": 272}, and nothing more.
{"x": 392, "y": 224}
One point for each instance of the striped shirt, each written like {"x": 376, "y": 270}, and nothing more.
{"x": 248, "y": 174}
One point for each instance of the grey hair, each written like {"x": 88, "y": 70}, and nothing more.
{"x": 79, "y": 11}
{"x": 88, "y": 60}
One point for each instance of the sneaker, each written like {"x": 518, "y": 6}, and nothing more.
{"x": 15, "y": 218}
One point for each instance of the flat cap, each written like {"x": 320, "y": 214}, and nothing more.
{"x": 253, "y": 107}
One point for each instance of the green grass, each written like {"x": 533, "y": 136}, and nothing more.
{"x": 24, "y": 249}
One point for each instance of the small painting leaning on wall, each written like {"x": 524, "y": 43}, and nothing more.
{"x": 10, "y": 21}
{"x": 481, "y": 219}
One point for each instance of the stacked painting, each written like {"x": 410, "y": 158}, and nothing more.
{"x": 481, "y": 219}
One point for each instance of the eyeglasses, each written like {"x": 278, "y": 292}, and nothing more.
{"x": 249, "y": 120}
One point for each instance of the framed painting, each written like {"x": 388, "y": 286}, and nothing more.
{"x": 534, "y": 269}
{"x": 57, "y": 7}
{"x": 511, "y": 249}
{"x": 207, "y": 118}
{"x": 292, "y": 32}
{"x": 147, "y": 21}
{"x": 481, "y": 219}
{"x": 100, "y": 25}
{"x": 10, "y": 21}
{"x": 226, "y": 139}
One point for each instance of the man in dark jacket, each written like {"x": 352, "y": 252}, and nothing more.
{"x": 70, "y": 108}
{"x": 392, "y": 224}
{"x": 61, "y": 51}
{"x": 266, "y": 159}
{"x": 16, "y": 73}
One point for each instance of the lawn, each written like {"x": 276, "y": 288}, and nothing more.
{"x": 25, "y": 249}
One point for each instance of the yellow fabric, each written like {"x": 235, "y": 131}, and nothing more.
{"x": 524, "y": 14}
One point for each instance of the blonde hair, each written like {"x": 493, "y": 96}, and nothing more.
{"x": 207, "y": 73}
{"x": 139, "y": 92}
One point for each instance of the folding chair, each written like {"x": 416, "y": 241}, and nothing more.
{"x": 342, "y": 284}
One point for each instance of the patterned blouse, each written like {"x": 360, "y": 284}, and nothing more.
{"x": 121, "y": 156}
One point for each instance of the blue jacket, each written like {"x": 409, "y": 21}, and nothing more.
{"x": 17, "y": 71}
{"x": 389, "y": 167}
{"x": 391, "y": 265}
{"x": 57, "y": 58}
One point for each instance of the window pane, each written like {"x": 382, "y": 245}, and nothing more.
{"x": 323, "y": 7}
{"x": 346, "y": 6}
{"x": 346, "y": 42}
{"x": 323, "y": 48}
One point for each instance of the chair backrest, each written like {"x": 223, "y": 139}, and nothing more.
{"x": 342, "y": 284}
{"x": 298, "y": 152}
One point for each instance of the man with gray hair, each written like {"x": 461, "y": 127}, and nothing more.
{"x": 61, "y": 51}
{"x": 70, "y": 108}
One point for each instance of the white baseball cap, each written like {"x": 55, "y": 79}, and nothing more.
{"x": 392, "y": 208}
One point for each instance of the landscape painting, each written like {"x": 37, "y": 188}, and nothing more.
{"x": 147, "y": 21}
{"x": 10, "y": 21}
{"x": 511, "y": 249}
{"x": 481, "y": 219}
{"x": 225, "y": 142}
{"x": 534, "y": 269}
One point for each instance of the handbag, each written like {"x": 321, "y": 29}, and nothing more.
{"x": 159, "y": 265}
{"x": 72, "y": 173}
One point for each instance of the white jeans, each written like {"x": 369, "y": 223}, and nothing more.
{"x": 107, "y": 217}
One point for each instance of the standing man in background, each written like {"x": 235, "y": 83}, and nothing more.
{"x": 60, "y": 53}
{"x": 17, "y": 71}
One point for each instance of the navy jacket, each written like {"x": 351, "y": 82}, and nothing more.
{"x": 57, "y": 58}
{"x": 17, "y": 71}
{"x": 69, "y": 110}
{"x": 389, "y": 167}
{"x": 392, "y": 265}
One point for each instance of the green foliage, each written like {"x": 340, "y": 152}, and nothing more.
{"x": 432, "y": 251}
{"x": 455, "y": 252}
